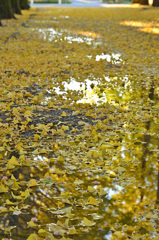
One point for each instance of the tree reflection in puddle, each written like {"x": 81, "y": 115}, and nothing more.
{"x": 94, "y": 92}
{"x": 96, "y": 179}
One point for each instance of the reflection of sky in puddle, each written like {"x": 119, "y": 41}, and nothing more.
{"x": 108, "y": 236}
{"x": 51, "y": 34}
{"x": 61, "y": 16}
{"x": 115, "y": 58}
{"x": 93, "y": 93}
{"x": 71, "y": 39}
{"x": 40, "y": 158}
{"x": 89, "y": 95}
{"x": 111, "y": 192}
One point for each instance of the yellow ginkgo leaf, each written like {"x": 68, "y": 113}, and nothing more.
{"x": 25, "y": 194}
{"x": 60, "y": 159}
{"x": 32, "y": 183}
{"x": 87, "y": 222}
{"x": 92, "y": 201}
{"x": 3, "y": 189}
{"x": 32, "y": 224}
{"x": 91, "y": 189}
{"x": 33, "y": 236}
{"x": 42, "y": 233}
{"x": 63, "y": 114}
{"x": 8, "y": 202}
{"x": 12, "y": 163}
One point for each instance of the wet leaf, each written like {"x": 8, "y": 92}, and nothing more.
{"x": 12, "y": 163}
{"x": 42, "y": 233}
{"x": 91, "y": 189}
{"x": 86, "y": 222}
{"x": 33, "y": 236}
{"x": 63, "y": 114}
{"x": 92, "y": 201}
{"x": 32, "y": 183}
{"x": 72, "y": 231}
{"x": 3, "y": 189}
{"x": 17, "y": 212}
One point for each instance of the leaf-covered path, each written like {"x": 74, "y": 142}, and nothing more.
{"x": 79, "y": 137}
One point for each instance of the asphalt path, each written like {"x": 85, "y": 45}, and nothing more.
{"x": 84, "y": 3}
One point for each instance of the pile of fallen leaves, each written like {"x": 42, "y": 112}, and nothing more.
{"x": 79, "y": 124}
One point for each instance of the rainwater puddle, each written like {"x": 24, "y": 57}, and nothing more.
{"x": 50, "y": 34}
{"x": 66, "y": 17}
{"x": 72, "y": 39}
{"x": 110, "y": 192}
{"x": 114, "y": 58}
{"x": 93, "y": 93}
{"x": 87, "y": 88}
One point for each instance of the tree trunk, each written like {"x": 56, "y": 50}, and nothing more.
{"x": 6, "y": 9}
{"x": 155, "y": 3}
{"x": 16, "y": 6}
{"x": 135, "y": 1}
{"x": 144, "y": 2}
{"x": 24, "y": 4}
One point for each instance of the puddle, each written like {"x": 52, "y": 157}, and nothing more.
{"x": 63, "y": 186}
{"x": 49, "y": 34}
{"x": 95, "y": 93}
{"x": 71, "y": 39}
{"x": 88, "y": 88}
{"x": 110, "y": 192}
{"x": 66, "y": 17}
{"x": 114, "y": 58}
